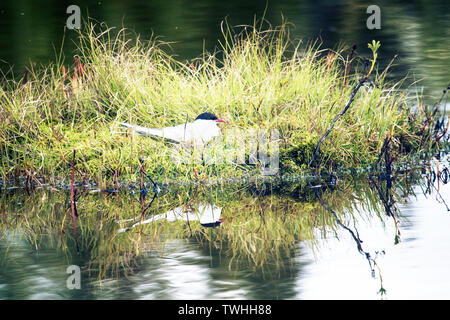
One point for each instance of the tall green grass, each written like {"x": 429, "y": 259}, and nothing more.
{"x": 255, "y": 79}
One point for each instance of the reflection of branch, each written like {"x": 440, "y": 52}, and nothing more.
{"x": 148, "y": 207}
{"x": 387, "y": 202}
{"x": 382, "y": 290}
{"x": 144, "y": 210}
{"x": 357, "y": 240}
{"x": 143, "y": 192}
{"x": 431, "y": 184}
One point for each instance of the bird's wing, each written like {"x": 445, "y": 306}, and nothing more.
{"x": 196, "y": 132}
{"x": 154, "y": 132}
{"x": 178, "y": 133}
{"x": 142, "y": 130}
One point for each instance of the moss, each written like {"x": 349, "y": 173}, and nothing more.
{"x": 296, "y": 156}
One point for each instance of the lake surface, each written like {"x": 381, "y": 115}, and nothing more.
{"x": 418, "y": 32}
{"x": 270, "y": 241}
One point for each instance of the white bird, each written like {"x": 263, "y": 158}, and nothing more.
{"x": 198, "y": 132}
{"x": 207, "y": 214}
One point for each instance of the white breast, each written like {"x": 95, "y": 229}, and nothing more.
{"x": 198, "y": 132}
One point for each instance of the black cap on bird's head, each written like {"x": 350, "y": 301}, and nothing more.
{"x": 208, "y": 116}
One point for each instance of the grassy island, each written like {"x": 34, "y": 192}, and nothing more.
{"x": 255, "y": 79}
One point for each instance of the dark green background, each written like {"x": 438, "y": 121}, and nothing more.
{"x": 419, "y": 31}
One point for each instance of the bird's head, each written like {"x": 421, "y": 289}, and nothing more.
{"x": 209, "y": 116}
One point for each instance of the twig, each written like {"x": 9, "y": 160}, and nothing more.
{"x": 148, "y": 207}
{"x": 155, "y": 185}
{"x": 352, "y": 97}
{"x": 382, "y": 151}
{"x": 347, "y": 65}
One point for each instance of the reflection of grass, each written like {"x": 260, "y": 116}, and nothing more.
{"x": 260, "y": 230}
{"x": 264, "y": 80}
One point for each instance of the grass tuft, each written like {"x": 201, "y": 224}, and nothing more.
{"x": 257, "y": 79}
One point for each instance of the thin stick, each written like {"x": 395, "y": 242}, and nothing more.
{"x": 382, "y": 151}
{"x": 141, "y": 164}
{"x": 352, "y": 97}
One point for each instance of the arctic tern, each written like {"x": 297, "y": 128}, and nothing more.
{"x": 199, "y": 132}
{"x": 207, "y": 214}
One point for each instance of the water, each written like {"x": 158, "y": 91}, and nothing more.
{"x": 419, "y": 34}
{"x": 416, "y": 268}
{"x": 272, "y": 241}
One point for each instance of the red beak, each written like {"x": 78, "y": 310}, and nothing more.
{"x": 220, "y": 120}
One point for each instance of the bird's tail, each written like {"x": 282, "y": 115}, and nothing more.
{"x": 141, "y": 130}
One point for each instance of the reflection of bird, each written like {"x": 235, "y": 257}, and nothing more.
{"x": 208, "y": 215}
{"x": 198, "y": 132}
